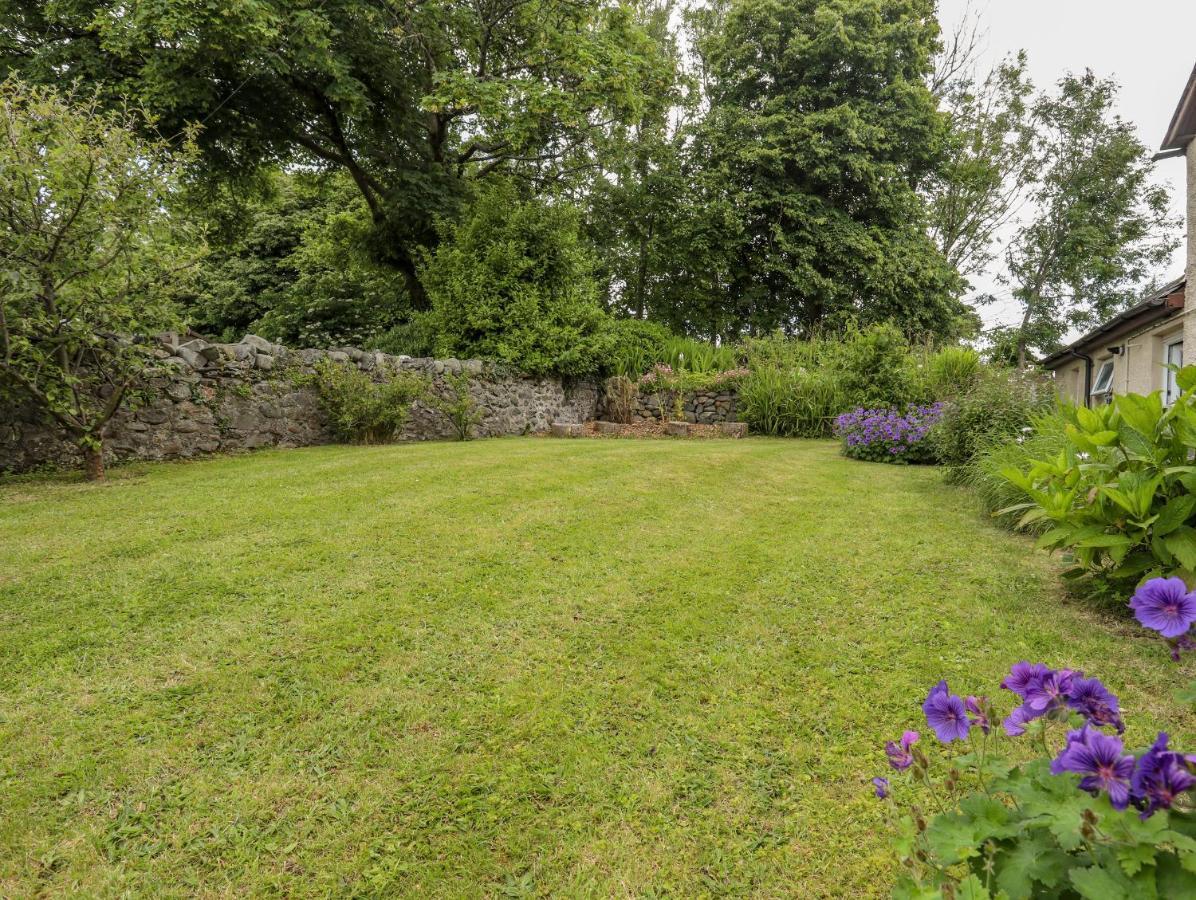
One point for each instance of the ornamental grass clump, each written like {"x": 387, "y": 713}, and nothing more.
{"x": 887, "y": 435}
{"x": 1049, "y": 805}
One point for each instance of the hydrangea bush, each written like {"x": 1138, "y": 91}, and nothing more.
{"x": 1049, "y": 803}
{"x": 1119, "y": 497}
{"x": 889, "y": 435}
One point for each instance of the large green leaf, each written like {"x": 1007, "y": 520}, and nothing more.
{"x": 1175, "y": 512}
{"x": 1182, "y": 542}
{"x": 1033, "y": 860}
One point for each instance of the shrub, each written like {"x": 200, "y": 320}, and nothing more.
{"x": 635, "y": 345}
{"x": 1043, "y": 438}
{"x": 360, "y": 409}
{"x": 455, "y": 402}
{"x": 887, "y": 435}
{"x": 877, "y": 369}
{"x": 619, "y": 393}
{"x": 1092, "y": 821}
{"x": 790, "y": 402}
{"x": 417, "y": 336}
{"x": 998, "y": 405}
{"x": 513, "y": 283}
{"x": 952, "y": 372}
{"x": 1120, "y": 497}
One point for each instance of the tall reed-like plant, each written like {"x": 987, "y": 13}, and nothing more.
{"x": 791, "y": 402}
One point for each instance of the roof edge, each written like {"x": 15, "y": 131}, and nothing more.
{"x": 1182, "y": 129}
{"x": 1155, "y": 303}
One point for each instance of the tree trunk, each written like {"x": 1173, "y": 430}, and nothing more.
{"x": 93, "y": 461}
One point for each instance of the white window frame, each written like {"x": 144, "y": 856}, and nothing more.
{"x": 1170, "y": 388}
{"x": 1102, "y": 385}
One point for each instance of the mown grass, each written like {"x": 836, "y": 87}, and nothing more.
{"x": 515, "y": 667}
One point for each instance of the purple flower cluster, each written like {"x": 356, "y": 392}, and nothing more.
{"x": 1044, "y": 691}
{"x": 888, "y": 435}
{"x": 1150, "y": 783}
{"x": 1167, "y": 606}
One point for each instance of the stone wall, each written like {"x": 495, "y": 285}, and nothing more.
{"x": 214, "y": 398}
{"x": 702, "y": 407}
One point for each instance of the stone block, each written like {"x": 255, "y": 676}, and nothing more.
{"x": 733, "y": 429}
{"x": 677, "y": 429}
{"x": 566, "y": 429}
{"x": 609, "y": 428}
{"x": 190, "y": 357}
{"x": 259, "y": 344}
{"x": 264, "y": 362}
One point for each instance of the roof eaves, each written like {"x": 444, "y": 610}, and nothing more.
{"x": 1182, "y": 129}
{"x": 1155, "y": 303}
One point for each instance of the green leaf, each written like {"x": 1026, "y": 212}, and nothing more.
{"x": 1175, "y": 512}
{"x": 972, "y": 888}
{"x": 1182, "y": 542}
{"x": 1099, "y": 883}
{"x": 1033, "y": 860}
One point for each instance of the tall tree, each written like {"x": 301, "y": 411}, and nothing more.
{"x": 989, "y": 164}
{"x": 1098, "y": 227}
{"x": 820, "y": 127}
{"x": 411, "y": 97}
{"x": 92, "y": 259}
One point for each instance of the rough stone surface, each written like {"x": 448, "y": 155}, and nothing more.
{"x": 733, "y": 429}
{"x": 214, "y": 398}
{"x": 699, "y": 407}
{"x": 609, "y": 427}
{"x": 676, "y": 429}
{"x": 566, "y": 429}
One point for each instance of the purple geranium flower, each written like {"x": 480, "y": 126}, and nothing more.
{"x": 1165, "y": 605}
{"x": 900, "y": 757}
{"x": 978, "y": 717}
{"x": 1022, "y": 675}
{"x": 1092, "y": 699}
{"x": 1161, "y": 775}
{"x": 882, "y": 787}
{"x": 1015, "y": 723}
{"x": 1048, "y": 691}
{"x": 946, "y": 714}
{"x": 1098, "y": 757}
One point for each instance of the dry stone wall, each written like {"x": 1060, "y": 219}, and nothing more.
{"x": 213, "y": 398}
{"x": 700, "y": 407}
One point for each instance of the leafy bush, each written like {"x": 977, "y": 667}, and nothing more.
{"x": 999, "y": 404}
{"x": 512, "y": 283}
{"x": 1093, "y": 821}
{"x": 360, "y": 409}
{"x": 455, "y": 402}
{"x": 416, "y": 336}
{"x": 1043, "y": 438}
{"x": 887, "y": 435}
{"x": 1120, "y": 496}
{"x": 878, "y": 369}
{"x": 952, "y": 372}
{"x": 636, "y": 344}
{"x": 791, "y": 402}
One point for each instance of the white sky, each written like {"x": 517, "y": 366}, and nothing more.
{"x": 1148, "y": 45}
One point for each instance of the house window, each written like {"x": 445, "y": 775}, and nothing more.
{"x": 1173, "y": 359}
{"x": 1103, "y": 386}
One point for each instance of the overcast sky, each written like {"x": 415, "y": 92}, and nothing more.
{"x": 1149, "y": 45}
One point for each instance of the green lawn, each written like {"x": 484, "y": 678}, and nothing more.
{"x": 510, "y": 667}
